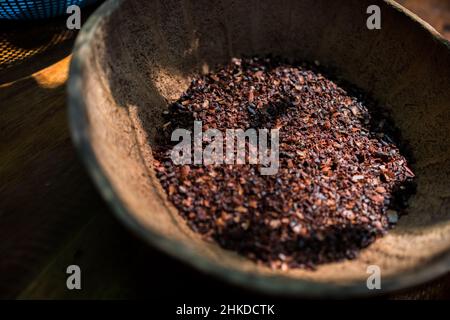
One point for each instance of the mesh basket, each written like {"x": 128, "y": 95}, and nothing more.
{"x": 37, "y": 9}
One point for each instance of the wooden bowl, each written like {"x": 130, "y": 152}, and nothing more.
{"x": 134, "y": 57}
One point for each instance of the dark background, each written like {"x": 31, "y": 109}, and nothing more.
{"x": 51, "y": 216}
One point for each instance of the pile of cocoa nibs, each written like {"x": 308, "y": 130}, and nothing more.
{"x": 341, "y": 184}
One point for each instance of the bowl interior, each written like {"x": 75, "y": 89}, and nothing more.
{"x": 134, "y": 57}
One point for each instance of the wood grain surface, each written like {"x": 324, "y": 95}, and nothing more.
{"x": 51, "y": 216}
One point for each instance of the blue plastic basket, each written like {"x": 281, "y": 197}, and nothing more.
{"x": 37, "y": 9}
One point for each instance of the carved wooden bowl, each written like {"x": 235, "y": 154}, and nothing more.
{"x": 134, "y": 57}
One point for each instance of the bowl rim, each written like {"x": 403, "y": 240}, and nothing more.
{"x": 278, "y": 285}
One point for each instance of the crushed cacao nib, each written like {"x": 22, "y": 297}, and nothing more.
{"x": 342, "y": 182}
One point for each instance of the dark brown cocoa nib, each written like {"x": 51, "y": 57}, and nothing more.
{"x": 339, "y": 170}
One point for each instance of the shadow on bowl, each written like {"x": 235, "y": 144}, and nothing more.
{"x": 133, "y": 58}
